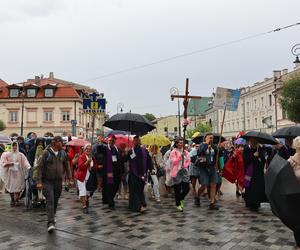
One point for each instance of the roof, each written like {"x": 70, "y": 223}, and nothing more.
{"x": 63, "y": 89}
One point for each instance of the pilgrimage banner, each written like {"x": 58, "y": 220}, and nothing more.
{"x": 227, "y": 97}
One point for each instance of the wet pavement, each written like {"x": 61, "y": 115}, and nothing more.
{"x": 161, "y": 227}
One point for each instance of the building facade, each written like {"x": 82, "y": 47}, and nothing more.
{"x": 259, "y": 108}
{"x": 47, "y": 105}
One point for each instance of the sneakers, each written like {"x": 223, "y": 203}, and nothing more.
{"x": 51, "y": 227}
{"x": 181, "y": 204}
{"x": 197, "y": 201}
{"x": 179, "y": 208}
{"x": 213, "y": 206}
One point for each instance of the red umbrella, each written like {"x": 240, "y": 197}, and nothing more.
{"x": 77, "y": 143}
{"x": 123, "y": 139}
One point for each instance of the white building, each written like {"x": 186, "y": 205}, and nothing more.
{"x": 259, "y": 108}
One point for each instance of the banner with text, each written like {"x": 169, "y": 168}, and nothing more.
{"x": 227, "y": 97}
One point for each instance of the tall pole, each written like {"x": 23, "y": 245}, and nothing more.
{"x": 22, "y": 111}
{"x": 175, "y": 91}
{"x": 275, "y": 97}
{"x": 179, "y": 123}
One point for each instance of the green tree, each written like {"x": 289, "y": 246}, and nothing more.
{"x": 2, "y": 125}
{"x": 149, "y": 116}
{"x": 290, "y": 98}
{"x": 201, "y": 128}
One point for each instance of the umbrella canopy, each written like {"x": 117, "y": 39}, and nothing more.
{"x": 199, "y": 139}
{"x": 77, "y": 143}
{"x": 122, "y": 139}
{"x": 283, "y": 192}
{"x": 261, "y": 137}
{"x": 4, "y": 139}
{"x": 240, "y": 141}
{"x": 292, "y": 131}
{"x": 155, "y": 139}
{"x": 196, "y": 134}
{"x": 133, "y": 123}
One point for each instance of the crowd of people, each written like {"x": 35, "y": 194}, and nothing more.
{"x": 123, "y": 172}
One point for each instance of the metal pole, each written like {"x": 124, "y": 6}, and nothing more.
{"x": 93, "y": 128}
{"x": 275, "y": 96}
{"x": 22, "y": 112}
{"x": 179, "y": 123}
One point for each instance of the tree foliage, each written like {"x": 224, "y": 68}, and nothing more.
{"x": 202, "y": 128}
{"x": 2, "y": 125}
{"x": 150, "y": 116}
{"x": 290, "y": 98}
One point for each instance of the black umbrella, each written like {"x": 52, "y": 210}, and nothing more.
{"x": 133, "y": 123}
{"x": 199, "y": 139}
{"x": 283, "y": 192}
{"x": 261, "y": 137}
{"x": 292, "y": 131}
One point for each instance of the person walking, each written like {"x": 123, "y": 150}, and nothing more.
{"x": 179, "y": 163}
{"x": 140, "y": 162}
{"x": 85, "y": 163}
{"x": 50, "y": 173}
{"x": 254, "y": 183}
{"x": 112, "y": 171}
{"x": 295, "y": 164}
{"x": 207, "y": 155}
{"x": 157, "y": 160}
{"x": 13, "y": 168}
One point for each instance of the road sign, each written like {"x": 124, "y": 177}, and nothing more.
{"x": 74, "y": 122}
{"x": 94, "y": 105}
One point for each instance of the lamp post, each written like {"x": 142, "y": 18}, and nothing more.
{"x": 22, "y": 110}
{"x": 296, "y": 52}
{"x": 175, "y": 91}
{"x": 120, "y": 107}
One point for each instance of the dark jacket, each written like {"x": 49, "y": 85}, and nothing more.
{"x": 52, "y": 167}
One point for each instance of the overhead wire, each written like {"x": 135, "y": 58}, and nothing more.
{"x": 190, "y": 53}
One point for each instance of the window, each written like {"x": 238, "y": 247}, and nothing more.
{"x": 65, "y": 116}
{"x": 49, "y": 92}
{"x": 166, "y": 129}
{"x": 255, "y": 104}
{"x": 175, "y": 129}
{"x": 270, "y": 100}
{"x": 248, "y": 124}
{"x": 48, "y": 116}
{"x": 31, "y": 116}
{"x": 14, "y": 92}
{"x": 262, "y": 102}
{"x": 233, "y": 126}
{"x": 248, "y": 106}
{"x": 13, "y": 116}
{"x": 256, "y": 125}
{"x": 31, "y": 92}
{"x": 238, "y": 125}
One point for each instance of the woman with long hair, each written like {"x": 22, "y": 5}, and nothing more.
{"x": 179, "y": 163}
{"x": 85, "y": 163}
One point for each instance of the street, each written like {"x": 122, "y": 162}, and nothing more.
{"x": 162, "y": 227}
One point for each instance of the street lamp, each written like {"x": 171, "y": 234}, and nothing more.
{"x": 296, "y": 52}
{"x": 175, "y": 91}
{"x": 120, "y": 107}
{"x": 22, "y": 110}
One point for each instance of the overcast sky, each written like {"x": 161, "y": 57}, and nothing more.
{"x": 83, "y": 39}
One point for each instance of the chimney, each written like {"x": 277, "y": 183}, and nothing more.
{"x": 51, "y": 75}
{"x": 284, "y": 71}
{"x": 37, "y": 80}
{"x": 276, "y": 74}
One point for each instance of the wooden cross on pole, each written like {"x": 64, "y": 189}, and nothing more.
{"x": 186, "y": 99}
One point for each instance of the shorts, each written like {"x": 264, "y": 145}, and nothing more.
{"x": 194, "y": 171}
{"x": 207, "y": 175}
